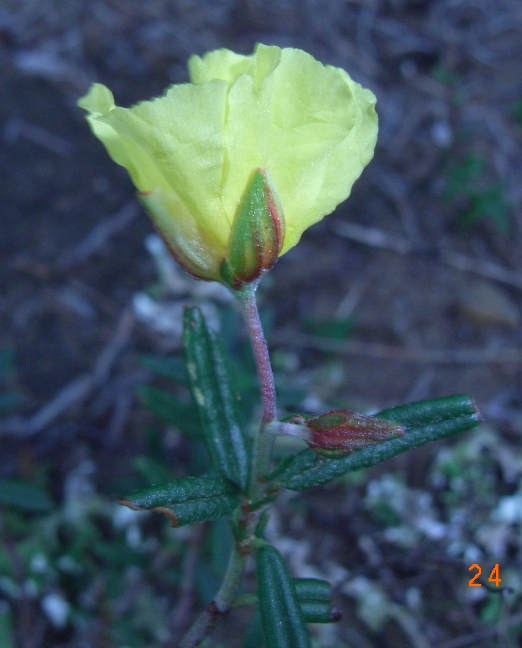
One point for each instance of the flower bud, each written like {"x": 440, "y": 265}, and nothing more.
{"x": 337, "y": 433}
{"x": 257, "y": 233}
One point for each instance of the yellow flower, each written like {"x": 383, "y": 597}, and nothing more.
{"x": 278, "y": 117}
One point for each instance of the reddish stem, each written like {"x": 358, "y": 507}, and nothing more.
{"x": 259, "y": 346}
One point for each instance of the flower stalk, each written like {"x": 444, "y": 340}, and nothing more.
{"x": 264, "y": 441}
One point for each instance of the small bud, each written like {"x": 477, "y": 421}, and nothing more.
{"x": 257, "y": 233}
{"x": 337, "y": 433}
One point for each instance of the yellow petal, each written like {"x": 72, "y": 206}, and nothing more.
{"x": 175, "y": 142}
{"x": 311, "y": 126}
{"x": 123, "y": 149}
{"x": 98, "y": 101}
{"x": 183, "y": 236}
{"x": 229, "y": 66}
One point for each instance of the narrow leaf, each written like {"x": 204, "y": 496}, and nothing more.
{"x": 283, "y": 621}
{"x": 320, "y": 612}
{"x": 424, "y": 421}
{"x": 187, "y": 500}
{"x": 214, "y": 398}
{"x": 315, "y": 599}
{"x": 170, "y": 409}
{"x": 172, "y": 368}
{"x": 313, "y": 589}
{"x": 431, "y": 411}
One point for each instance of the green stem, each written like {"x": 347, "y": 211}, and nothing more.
{"x": 220, "y": 605}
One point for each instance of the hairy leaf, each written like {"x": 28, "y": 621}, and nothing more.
{"x": 214, "y": 398}
{"x": 282, "y": 618}
{"x": 187, "y": 500}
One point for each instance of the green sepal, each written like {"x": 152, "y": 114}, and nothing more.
{"x": 187, "y": 500}
{"x": 424, "y": 421}
{"x": 257, "y": 233}
{"x": 282, "y": 618}
{"x": 214, "y": 398}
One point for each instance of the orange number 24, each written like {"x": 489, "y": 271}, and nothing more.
{"x": 494, "y": 577}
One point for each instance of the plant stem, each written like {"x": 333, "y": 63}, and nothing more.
{"x": 259, "y": 346}
{"x": 221, "y": 603}
{"x": 264, "y": 442}
{"x": 260, "y": 465}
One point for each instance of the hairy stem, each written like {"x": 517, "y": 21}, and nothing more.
{"x": 264, "y": 442}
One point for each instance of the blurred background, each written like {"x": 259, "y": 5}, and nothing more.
{"x": 410, "y": 290}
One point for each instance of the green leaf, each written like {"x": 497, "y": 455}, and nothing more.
{"x": 214, "y": 398}
{"x": 313, "y": 589}
{"x": 172, "y": 368}
{"x": 187, "y": 500}
{"x": 283, "y": 621}
{"x": 425, "y": 421}
{"x": 432, "y": 411}
{"x": 221, "y": 546}
{"x": 24, "y": 496}
{"x": 315, "y": 598}
{"x": 170, "y": 409}
{"x": 319, "y": 612}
